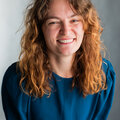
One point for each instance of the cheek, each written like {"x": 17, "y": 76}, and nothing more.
{"x": 79, "y": 31}
{"x": 51, "y": 33}
{"x": 47, "y": 34}
{"x": 50, "y": 36}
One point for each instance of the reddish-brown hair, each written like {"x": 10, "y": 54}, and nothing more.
{"x": 34, "y": 63}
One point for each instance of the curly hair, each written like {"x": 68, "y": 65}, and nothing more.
{"x": 33, "y": 60}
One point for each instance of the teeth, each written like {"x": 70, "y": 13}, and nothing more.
{"x": 65, "y": 41}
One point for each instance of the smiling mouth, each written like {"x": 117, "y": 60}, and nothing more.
{"x": 65, "y": 41}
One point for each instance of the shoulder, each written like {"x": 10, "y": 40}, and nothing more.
{"x": 106, "y": 65}
{"x": 105, "y": 98}
{"x": 110, "y": 75}
{"x": 14, "y": 100}
{"x": 12, "y": 74}
{"x": 11, "y": 70}
{"x": 11, "y": 79}
{"x": 108, "y": 69}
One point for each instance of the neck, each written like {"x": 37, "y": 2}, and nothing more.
{"x": 62, "y": 66}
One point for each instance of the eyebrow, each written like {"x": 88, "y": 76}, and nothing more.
{"x": 55, "y": 17}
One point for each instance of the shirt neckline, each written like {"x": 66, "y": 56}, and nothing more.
{"x": 61, "y": 78}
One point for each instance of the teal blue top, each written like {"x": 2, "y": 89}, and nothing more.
{"x": 63, "y": 104}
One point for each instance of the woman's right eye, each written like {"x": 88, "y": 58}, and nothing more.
{"x": 52, "y": 23}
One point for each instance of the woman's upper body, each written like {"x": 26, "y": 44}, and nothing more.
{"x": 61, "y": 41}
{"x": 63, "y": 103}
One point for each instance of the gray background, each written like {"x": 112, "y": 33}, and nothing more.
{"x": 11, "y": 17}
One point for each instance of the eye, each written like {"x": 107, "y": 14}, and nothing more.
{"x": 53, "y": 23}
{"x": 75, "y": 20}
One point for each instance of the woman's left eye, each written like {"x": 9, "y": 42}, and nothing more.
{"x": 74, "y": 20}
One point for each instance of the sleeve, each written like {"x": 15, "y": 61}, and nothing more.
{"x": 106, "y": 96}
{"x": 15, "y": 102}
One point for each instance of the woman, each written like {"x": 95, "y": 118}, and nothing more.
{"x": 61, "y": 74}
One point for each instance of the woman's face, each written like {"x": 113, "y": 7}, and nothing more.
{"x": 63, "y": 29}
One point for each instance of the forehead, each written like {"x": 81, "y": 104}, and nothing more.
{"x": 60, "y": 8}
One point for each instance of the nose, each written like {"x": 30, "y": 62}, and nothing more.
{"x": 65, "y": 29}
